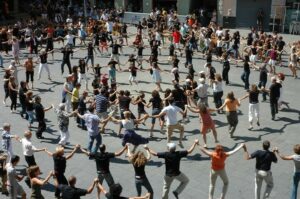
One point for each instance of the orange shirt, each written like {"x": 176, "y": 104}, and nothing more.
{"x": 231, "y": 105}
{"x": 217, "y": 162}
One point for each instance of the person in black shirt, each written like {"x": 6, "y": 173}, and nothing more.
{"x": 22, "y": 98}
{"x": 66, "y": 51}
{"x": 82, "y": 72}
{"x": 40, "y": 116}
{"x": 71, "y": 192}
{"x": 188, "y": 56}
{"x": 5, "y": 85}
{"x": 246, "y": 73}
{"x": 90, "y": 54}
{"x": 157, "y": 105}
{"x": 102, "y": 163}
{"x": 115, "y": 51}
{"x": 226, "y": 68}
{"x": 274, "y": 93}
{"x": 280, "y": 45}
{"x": 60, "y": 164}
{"x": 253, "y": 104}
{"x": 139, "y": 160}
{"x": 115, "y": 192}
{"x": 263, "y": 78}
{"x": 264, "y": 159}
{"x": 172, "y": 161}
{"x": 43, "y": 64}
{"x": 82, "y": 108}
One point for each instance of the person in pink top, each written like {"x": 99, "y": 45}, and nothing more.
{"x": 207, "y": 122}
{"x": 273, "y": 57}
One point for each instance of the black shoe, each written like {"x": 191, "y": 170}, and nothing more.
{"x": 5, "y": 193}
{"x": 175, "y": 194}
{"x": 273, "y": 118}
{"x": 258, "y": 124}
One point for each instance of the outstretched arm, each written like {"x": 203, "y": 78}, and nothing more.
{"x": 196, "y": 142}
{"x": 72, "y": 153}
{"x": 150, "y": 151}
{"x": 121, "y": 151}
{"x": 284, "y": 157}
{"x": 235, "y": 150}
{"x": 91, "y": 188}
{"x": 205, "y": 151}
{"x": 247, "y": 155}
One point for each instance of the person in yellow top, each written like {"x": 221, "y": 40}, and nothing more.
{"x": 75, "y": 96}
{"x": 231, "y": 105}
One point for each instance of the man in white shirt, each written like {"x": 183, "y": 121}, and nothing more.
{"x": 170, "y": 113}
{"x": 28, "y": 151}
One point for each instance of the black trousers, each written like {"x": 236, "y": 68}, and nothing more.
{"x": 274, "y": 107}
{"x": 225, "y": 75}
{"x": 63, "y": 65}
{"x": 13, "y": 97}
{"x": 218, "y": 98}
{"x": 61, "y": 179}
{"x": 31, "y": 162}
{"x": 41, "y": 128}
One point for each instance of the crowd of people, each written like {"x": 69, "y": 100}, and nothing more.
{"x": 102, "y": 102}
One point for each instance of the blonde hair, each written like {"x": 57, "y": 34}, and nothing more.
{"x": 59, "y": 150}
{"x": 127, "y": 114}
{"x": 139, "y": 159}
{"x": 27, "y": 134}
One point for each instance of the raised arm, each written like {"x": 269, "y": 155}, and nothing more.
{"x": 148, "y": 155}
{"x": 72, "y": 153}
{"x": 42, "y": 182}
{"x": 205, "y": 151}
{"x": 91, "y": 188}
{"x": 85, "y": 151}
{"x": 121, "y": 151}
{"x": 48, "y": 152}
{"x": 235, "y": 150}
{"x": 150, "y": 151}
{"x": 247, "y": 156}
{"x": 194, "y": 110}
{"x": 284, "y": 157}
{"x": 196, "y": 142}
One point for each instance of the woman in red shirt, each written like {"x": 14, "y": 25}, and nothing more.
{"x": 207, "y": 121}
{"x": 218, "y": 157}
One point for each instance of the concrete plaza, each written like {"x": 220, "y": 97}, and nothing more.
{"x": 283, "y": 133}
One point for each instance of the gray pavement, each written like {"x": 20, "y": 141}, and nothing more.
{"x": 282, "y": 133}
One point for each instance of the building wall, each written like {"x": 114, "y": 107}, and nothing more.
{"x": 183, "y": 7}
{"x": 147, "y": 6}
{"x": 119, "y": 4}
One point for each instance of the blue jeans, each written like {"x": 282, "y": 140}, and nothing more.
{"x": 1, "y": 60}
{"x": 260, "y": 85}
{"x": 296, "y": 180}
{"x": 245, "y": 79}
{"x": 30, "y": 116}
{"x": 98, "y": 139}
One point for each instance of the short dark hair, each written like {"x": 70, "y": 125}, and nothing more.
{"x": 266, "y": 144}
{"x": 15, "y": 159}
{"x": 91, "y": 109}
{"x": 115, "y": 189}
{"x": 102, "y": 148}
